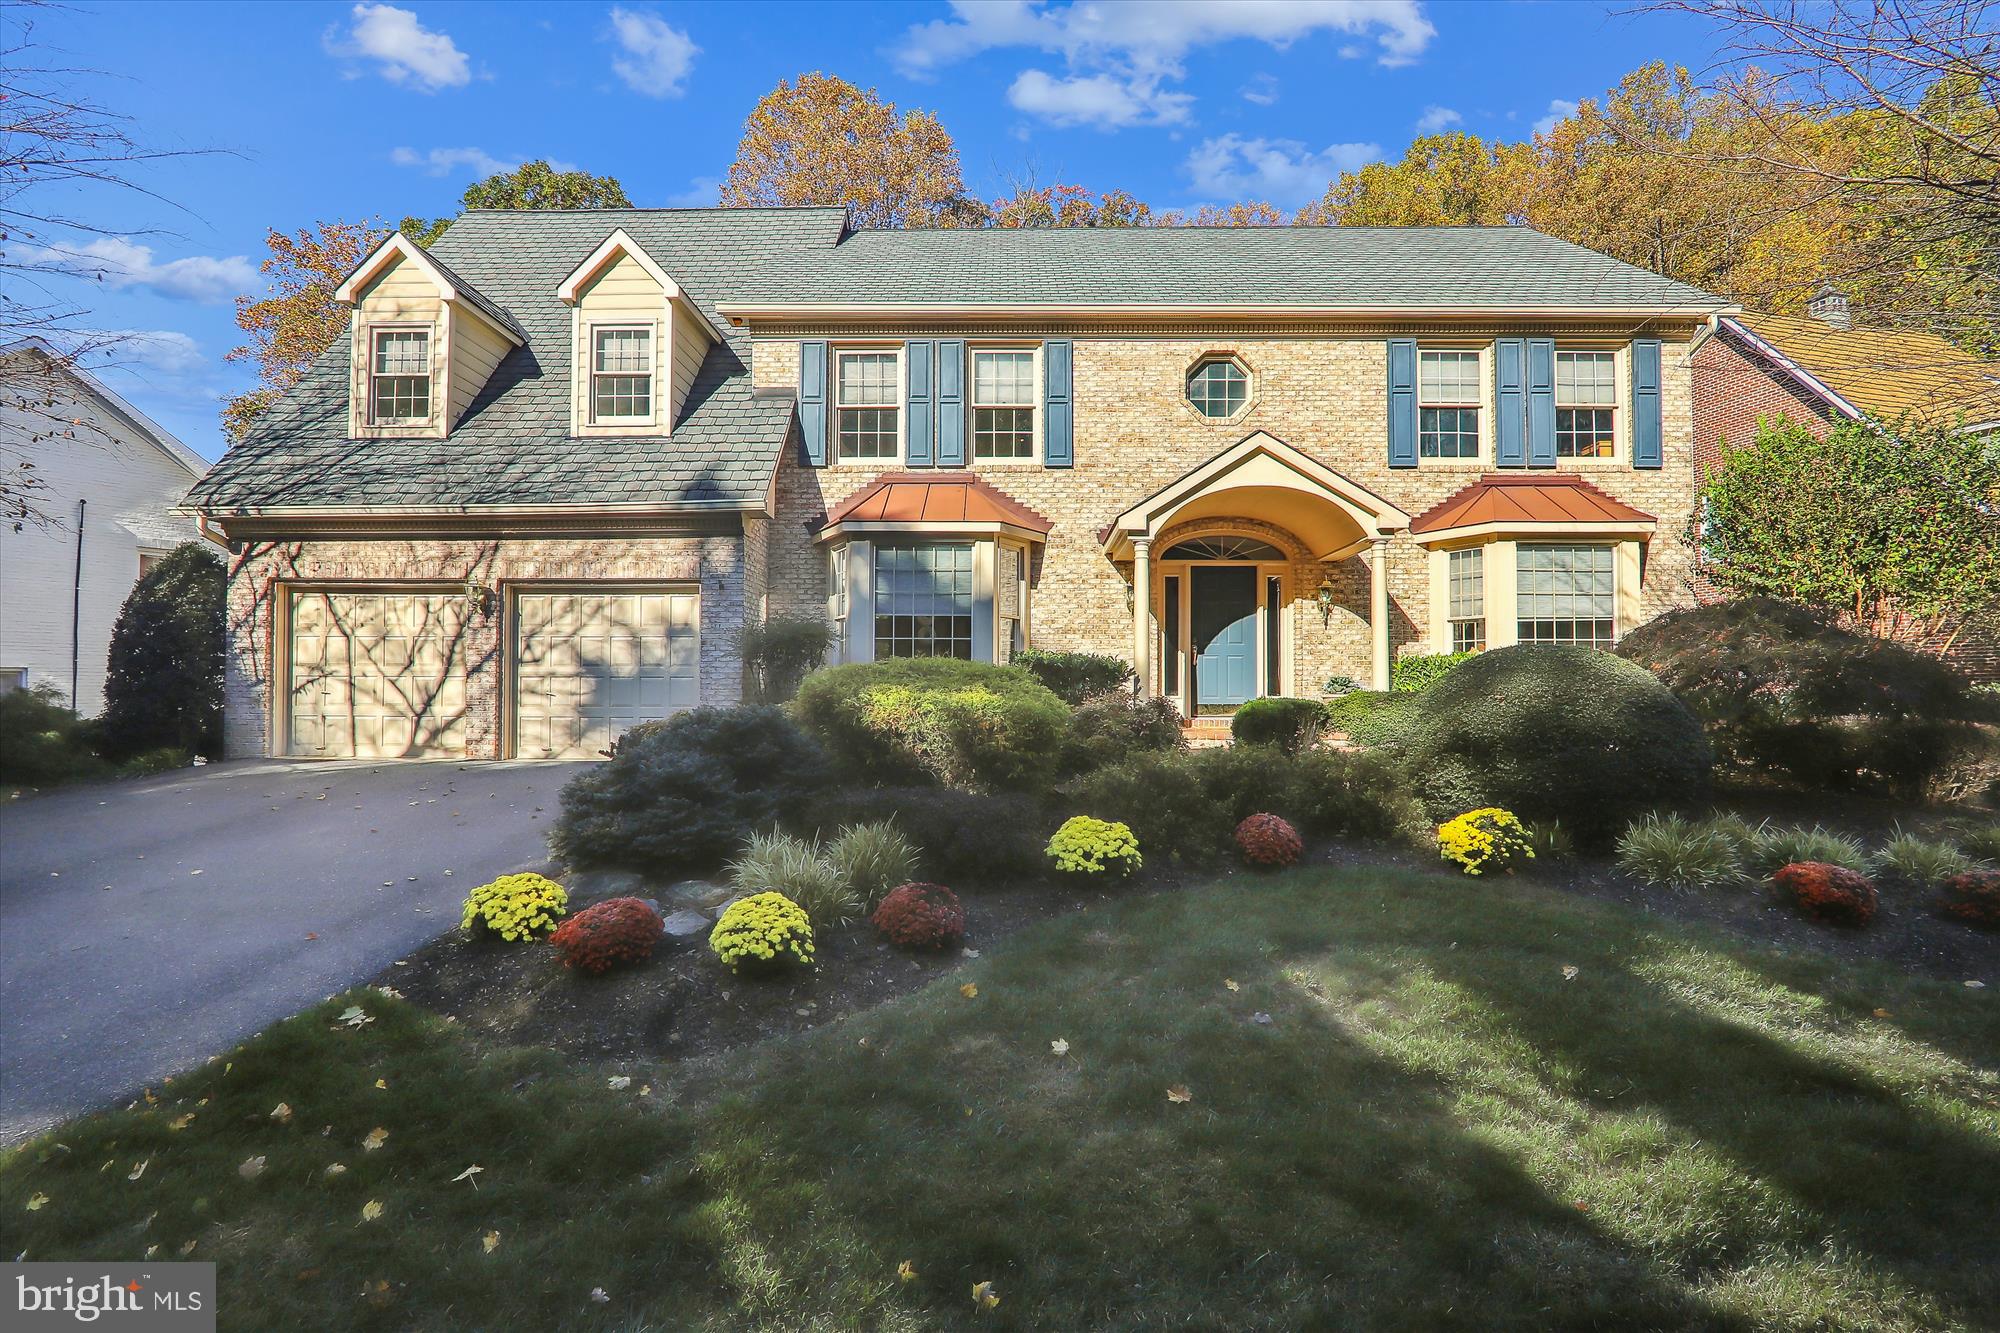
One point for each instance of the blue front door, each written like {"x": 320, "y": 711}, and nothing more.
{"x": 1223, "y": 618}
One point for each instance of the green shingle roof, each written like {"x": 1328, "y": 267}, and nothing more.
{"x": 513, "y": 447}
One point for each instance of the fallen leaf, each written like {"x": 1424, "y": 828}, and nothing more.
{"x": 969, "y": 953}
{"x": 335, "y": 1170}
{"x": 187, "y": 1248}
{"x": 1179, "y": 1093}
{"x": 1230, "y": 983}
{"x": 468, "y": 1174}
{"x": 312, "y": 934}
{"x": 490, "y": 1241}
{"x": 969, "y": 991}
{"x": 619, "y": 1082}
{"x": 152, "y": 1250}
{"x": 599, "y": 1295}
{"x": 1060, "y": 1046}
{"x": 1882, "y": 1013}
{"x": 1975, "y": 985}
{"x": 1569, "y": 972}
{"x": 984, "y": 1296}
{"x": 354, "y": 1016}
{"x": 37, "y": 1202}
{"x": 376, "y": 1138}
{"x": 382, "y": 1083}
{"x": 181, "y": 1121}
{"x": 140, "y": 1169}
{"x": 251, "y": 1169}
{"x": 282, "y": 1113}
{"x": 371, "y": 1210}
{"x": 907, "y": 1271}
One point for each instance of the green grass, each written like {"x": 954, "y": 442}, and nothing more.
{"x": 1436, "y": 1129}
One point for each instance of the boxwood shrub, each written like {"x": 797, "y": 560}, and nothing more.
{"x": 1075, "y": 677}
{"x": 679, "y": 796}
{"x": 969, "y": 725}
{"x": 1556, "y": 733}
{"x": 1374, "y": 717}
{"x": 966, "y": 838}
{"x": 1289, "y": 724}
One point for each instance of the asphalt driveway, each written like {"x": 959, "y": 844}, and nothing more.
{"x": 147, "y": 925}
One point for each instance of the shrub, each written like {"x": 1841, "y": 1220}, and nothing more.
{"x": 964, "y": 724}
{"x": 1784, "y": 692}
{"x": 1266, "y": 840}
{"x": 1417, "y": 672}
{"x": 798, "y": 869}
{"x": 514, "y": 907}
{"x": 777, "y": 653}
{"x": 1369, "y": 717}
{"x": 1550, "y": 841}
{"x": 1114, "y": 727}
{"x": 763, "y": 933}
{"x": 1556, "y": 733}
{"x": 1482, "y": 840}
{"x": 1773, "y": 846}
{"x": 1290, "y": 724}
{"x": 966, "y": 837}
{"x": 921, "y": 916}
{"x": 1982, "y": 844}
{"x": 680, "y": 795}
{"x": 43, "y": 743}
{"x": 871, "y": 859}
{"x": 1336, "y": 686}
{"x": 1675, "y": 853}
{"x": 1972, "y": 895}
{"x": 163, "y": 678}
{"x": 1351, "y": 794}
{"x": 1918, "y": 862}
{"x": 603, "y": 935}
{"x": 1829, "y": 893}
{"x": 1086, "y": 846}
{"x": 1162, "y": 798}
{"x": 1074, "y": 677}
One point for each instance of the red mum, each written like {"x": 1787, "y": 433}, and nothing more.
{"x": 921, "y": 916}
{"x": 600, "y": 937}
{"x": 1973, "y": 896}
{"x": 1828, "y": 893}
{"x": 1267, "y": 840}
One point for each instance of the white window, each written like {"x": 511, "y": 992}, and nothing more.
{"x": 621, "y": 375}
{"x": 1003, "y": 404}
{"x": 399, "y": 377}
{"x": 1465, "y": 591}
{"x": 1448, "y": 405}
{"x": 1567, "y": 594}
{"x": 1586, "y": 404}
{"x": 923, "y": 601}
{"x": 836, "y": 596}
{"x": 867, "y": 422}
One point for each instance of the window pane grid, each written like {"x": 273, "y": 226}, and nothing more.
{"x": 1586, "y": 404}
{"x": 400, "y": 382}
{"x": 867, "y": 432}
{"x": 1447, "y": 378}
{"x": 923, "y": 601}
{"x": 1003, "y": 379}
{"x": 1003, "y": 432}
{"x": 1567, "y": 594}
{"x": 1466, "y": 600}
{"x": 1585, "y": 432}
{"x": 1218, "y": 388}
{"x": 1448, "y": 432}
{"x": 622, "y": 374}
{"x": 867, "y": 379}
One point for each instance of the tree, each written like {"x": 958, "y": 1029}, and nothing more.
{"x": 1895, "y": 525}
{"x": 297, "y": 318}
{"x": 1443, "y": 180}
{"x": 1032, "y": 206}
{"x": 824, "y": 141}
{"x": 163, "y": 688}
{"x": 531, "y": 185}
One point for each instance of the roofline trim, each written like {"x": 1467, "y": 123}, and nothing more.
{"x": 162, "y": 438}
{"x": 1764, "y": 347}
{"x": 364, "y": 512}
{"x": 395, "y": 244}
{"x": 862, "y": 527}
{"x": 737, "y": 312}
{"x": 1530, "y": 528}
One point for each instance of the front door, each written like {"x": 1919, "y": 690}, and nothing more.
{"x": 1222, "y": 616}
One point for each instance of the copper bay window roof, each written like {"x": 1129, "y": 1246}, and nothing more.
{"x": 945, "y": 502}
{"x": 1500, "y": 502}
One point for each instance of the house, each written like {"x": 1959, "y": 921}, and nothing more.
{"x": 562, "y": 458}
{"x": 111, "y": 482}
{"x": 1820, "y": 369}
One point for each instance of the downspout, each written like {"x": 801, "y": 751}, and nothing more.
{"x": 76, "y": 610}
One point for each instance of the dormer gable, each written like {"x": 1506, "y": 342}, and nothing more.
{"x": 637, "y": 341}
{"x": 424, "y": 342}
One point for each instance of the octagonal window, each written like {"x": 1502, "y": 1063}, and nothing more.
{"x": 1219, "y": 387}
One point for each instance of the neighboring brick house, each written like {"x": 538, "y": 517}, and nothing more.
{"x": 563, "y": 458}
{"x": 1819, "y": 370}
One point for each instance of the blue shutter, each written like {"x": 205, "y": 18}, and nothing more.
{"x": 1646, "y": 450}
{"x": 1402, "y": 402}
{"x": 1541, "y": 402}
{"x": 812, "y": 401}
{"x": 917, "y": 369}
{"x": 1057, "y": 422}
{"x": 950, "y": 402}
{"x": 1510, "y": 403}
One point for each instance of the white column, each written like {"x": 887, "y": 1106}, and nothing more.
{"x": 1378, "y": 611}
{"x": 1142, "y": 613}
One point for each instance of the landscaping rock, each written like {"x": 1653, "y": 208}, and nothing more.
{"x": 595, "y": 884}
{"x": 699, "y": 894}
{"x": 686, "y": 925}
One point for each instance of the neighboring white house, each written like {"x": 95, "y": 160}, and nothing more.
{"x": 111, "y": 487}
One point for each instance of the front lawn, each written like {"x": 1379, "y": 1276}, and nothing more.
{"x": 1402, "y": 1108}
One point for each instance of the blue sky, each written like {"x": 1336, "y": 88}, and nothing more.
{"x": 352, "y": 111}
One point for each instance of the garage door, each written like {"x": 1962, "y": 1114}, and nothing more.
{"x": 377, "y": 675}
{"x": 590, "y": 663}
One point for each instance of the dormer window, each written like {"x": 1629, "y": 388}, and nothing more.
{"x": 621, "y": 375}
{"x": 399, "y": 377}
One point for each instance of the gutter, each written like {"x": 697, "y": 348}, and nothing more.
{"x": 737, "y": 312}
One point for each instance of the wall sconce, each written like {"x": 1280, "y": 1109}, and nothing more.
{"x": 1324, "y": 596}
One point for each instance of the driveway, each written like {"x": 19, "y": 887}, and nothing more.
{"x": 147, "y": 925}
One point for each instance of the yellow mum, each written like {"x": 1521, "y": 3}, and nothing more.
{"x": 1482, "y": 840}
{"x": 516, "y": 907}
{"x": 761, "y": 931}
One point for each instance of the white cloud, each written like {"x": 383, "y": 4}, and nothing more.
{"x": 1283, "y": 171}
{"x": 1559, "y": 110}
{"x": 405, "y": 52}
{"x": 1437, "y": 118}
{"x": 1098, "y": 100}
{"x": 657, "y": 57}
{"x": 445, "y": 161}
{"x": 120, "y": 264}
{"x": 1140, "y": 44}
{"x": 160, "y": 350}
{"x": 1262, "y": 89}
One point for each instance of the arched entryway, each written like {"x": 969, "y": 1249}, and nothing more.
{"x": 1223, "y": 620}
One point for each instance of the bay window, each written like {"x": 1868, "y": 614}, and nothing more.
{"x": 1566, "y": 594}
{"x": 923, "y": 600}
{"x": 1465, "y": 599}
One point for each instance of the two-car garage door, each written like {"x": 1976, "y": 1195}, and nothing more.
{"x": 383, "y": 673}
